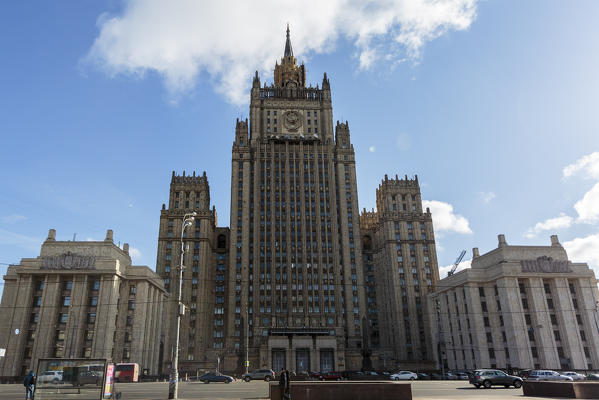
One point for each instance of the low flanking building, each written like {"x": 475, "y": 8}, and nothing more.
{"x": 80, "y": 300}
{"x": 517, "y": 307}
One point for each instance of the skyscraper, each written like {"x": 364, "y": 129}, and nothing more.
{"x": 287, "y": 284}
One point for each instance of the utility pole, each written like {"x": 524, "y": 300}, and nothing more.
{"x": 173, "y": 387}
{"x": 247, "y": 343}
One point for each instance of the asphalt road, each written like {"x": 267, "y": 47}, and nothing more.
{"x": 258, "y": 390}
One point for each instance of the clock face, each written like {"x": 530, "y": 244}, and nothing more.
{"x": 292, "y": 120}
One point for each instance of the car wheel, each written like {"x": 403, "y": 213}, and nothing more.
{"x": 412, "y": 378}
{"x": 227, "y": 381}
{"x": 206, "y": 381}
{"x": 517, "y": 384}
{"x": 476, "y": 385}
{"x": 487, "y": 384}
{"x": 338, "y": 379}
{"x": 247, "y": 379}
{"x": 506, "y": 386}
{"x": 267, "y": 378}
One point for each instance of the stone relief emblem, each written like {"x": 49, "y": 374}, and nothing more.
{"x": 545, "y": 264}
{"x": 68, "y": 261}
{"x": 292, "y": 120}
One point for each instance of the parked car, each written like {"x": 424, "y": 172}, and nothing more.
{"x": 50, "y": 377}
{"x": 90, "y": 378}
{"x": 314, "y": 375}
{"x": 547, "y": 375}
{"x": 593, "y": 377}
{"x": 436, "y": 376}
{"x": 423, "y": 376}
{"x": 462, "y": 376}
{"x": 331, "y": 376}
{"x": 524, "y": 373}
{"x": 216, "y": 377}
{"x": 261, "y": 374}
{"x": 404, "y": 376}
{"x": 489, "y": 377}
{"x": 574, "y": 375}
{"x": 450, "y": 376}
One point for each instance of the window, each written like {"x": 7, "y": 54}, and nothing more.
{"x": 93, "y": 301}
{"x": 132, "y": 289}
{"x": 68, "y": 285}
{"x": 96, "y": 285}
{"x": 89, "y": 335}
{"x": 66, "y": 301}
{"x": 64, "y": 317}
{"x": 91, "y": 318}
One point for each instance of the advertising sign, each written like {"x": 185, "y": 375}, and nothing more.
{"x": 109, "y": 382}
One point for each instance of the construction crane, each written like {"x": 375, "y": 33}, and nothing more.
{"x": 457, "y": 262}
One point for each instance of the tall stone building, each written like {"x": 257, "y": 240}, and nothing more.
{"x": 289, "y": 289}
{"x": 518, "y": 307}
{"x": 401, "y": 269}
{"x": 80, "y": 300}
{"x": 204, "y": 284}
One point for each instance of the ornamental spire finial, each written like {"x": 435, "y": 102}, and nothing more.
{"x": 288, "y": 49}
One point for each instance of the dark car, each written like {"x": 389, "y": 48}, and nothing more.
{"x": 423, "y": 376}
{"x": 331, "y": 376}
{"x": 490, "y": 377}
{"x": 90, "y": 378}
{"x": 593, "y": 377}
{"x": 215, "y": 377}
{"x": 436, "y": 376}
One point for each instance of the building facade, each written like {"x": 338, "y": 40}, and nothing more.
{"x": 518, "y": 307}
{"x": 289, "y": 287}
{"x": 80, "y": 300}
{"x": 401, "y": 269}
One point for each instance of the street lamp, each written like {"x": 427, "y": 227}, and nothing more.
{"x": 173, "y": 387}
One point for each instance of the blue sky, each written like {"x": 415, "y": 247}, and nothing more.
{"x": 489, "y": 102}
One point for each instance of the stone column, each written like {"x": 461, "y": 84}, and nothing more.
{"x": 541, "y": 323}
{"x": 515, "y": 324}
{"x": 569, "y": 333}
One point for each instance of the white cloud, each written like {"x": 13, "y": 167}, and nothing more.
{"x": 486, "y": 197}
{"x": 561, "y": 222}
{"x": 228, "y": 39}
{"x": 444, "y": 218}
{"x": 588, "y": 165}
{"x": 463, "y": 265}
{"x": 584, "y": 249}
{"x": 13, "y": 218}
{"x": 134, "y": 253}
{"x": 588, "y": 207}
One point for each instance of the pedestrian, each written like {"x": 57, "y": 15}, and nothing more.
{"x": 29, "y": 383}
{"x": 284, "y": 384}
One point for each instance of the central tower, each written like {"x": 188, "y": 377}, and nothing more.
{"x": 295, "y": 257}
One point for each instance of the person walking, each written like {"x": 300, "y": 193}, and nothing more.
{"x": 284, "y": 384}
{"x": 29, "y": 383}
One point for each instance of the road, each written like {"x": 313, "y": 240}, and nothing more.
{"x": 257, "y": 390}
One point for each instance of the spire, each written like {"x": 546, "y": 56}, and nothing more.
{"x": 288, "y": 49}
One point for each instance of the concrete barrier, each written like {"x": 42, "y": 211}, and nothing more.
{"x": 569, "y": 390}
{"x": 355, "y": 390}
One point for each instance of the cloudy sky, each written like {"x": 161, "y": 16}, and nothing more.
{"x": 493, "y": 104}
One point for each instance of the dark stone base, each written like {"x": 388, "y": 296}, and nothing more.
{"x": 355, "y": 390}
{"x": 569, "y": 390}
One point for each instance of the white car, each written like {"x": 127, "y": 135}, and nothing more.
{"x": 404, "y": 376}
{"x": 574, "y": 375}
{"x": 547, "y": 375}
{"x": 50, "y": 377}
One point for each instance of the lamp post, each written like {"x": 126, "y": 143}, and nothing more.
{"x": 173, "y": 387}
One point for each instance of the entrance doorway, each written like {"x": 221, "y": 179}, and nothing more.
{"x": 327, "y": 360}
{"x": 278, "y": 360}
{"x": 302, "y": 360}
